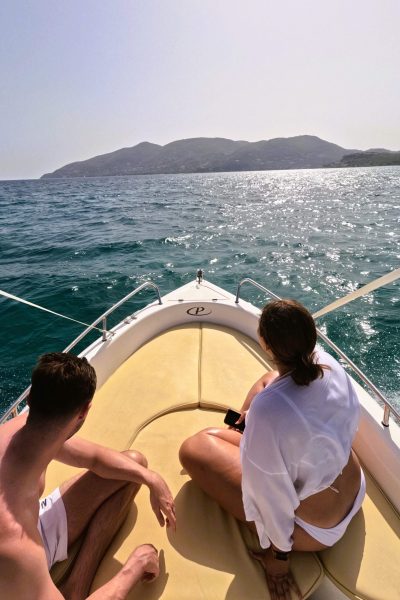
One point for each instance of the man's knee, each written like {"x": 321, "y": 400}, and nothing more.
{"x": 137, "y": 457}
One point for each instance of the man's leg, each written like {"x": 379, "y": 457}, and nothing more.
{"x": 85, "y": 493}
{"x": 98, "y": 506}
{"x": 100, "y": 532}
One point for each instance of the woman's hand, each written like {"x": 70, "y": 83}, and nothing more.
{"x": 161, "y": 500}
{"x": 280, "y": 580}
{"x": 240, "y": 420}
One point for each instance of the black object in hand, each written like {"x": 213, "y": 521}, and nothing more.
{"x": 230, "y": 419}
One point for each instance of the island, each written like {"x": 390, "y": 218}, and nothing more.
{"x": 204, "y": 155}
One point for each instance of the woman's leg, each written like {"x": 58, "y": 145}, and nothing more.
{"x": 212, "y": 459}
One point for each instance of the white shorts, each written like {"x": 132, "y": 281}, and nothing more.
{"x": 52, "y": 526}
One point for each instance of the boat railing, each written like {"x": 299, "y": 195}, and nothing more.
{"x": 388, "y": 408}
{"x": 103, "y": 317}
{"x": 13, "y": 410}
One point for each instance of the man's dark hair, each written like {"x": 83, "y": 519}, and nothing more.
{"x": 62, "y": 384}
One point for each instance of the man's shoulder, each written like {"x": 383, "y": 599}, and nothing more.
{"x": 7, "y": 432}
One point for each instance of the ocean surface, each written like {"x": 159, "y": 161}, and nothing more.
{"x": 77, "y": 246}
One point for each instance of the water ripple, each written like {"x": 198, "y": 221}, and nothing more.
{"x": 77, "y": 246}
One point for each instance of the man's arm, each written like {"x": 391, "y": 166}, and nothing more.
{"x": 32, "y": 579}
{"x": 111, "y": 464}
{"x": 105, "y": 462}
{"x": 142, "y": 565}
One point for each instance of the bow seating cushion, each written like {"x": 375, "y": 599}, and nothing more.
{"x": 167, "y": 390}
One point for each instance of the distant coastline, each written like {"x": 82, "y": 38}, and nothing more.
{"x": 205, "y": 155}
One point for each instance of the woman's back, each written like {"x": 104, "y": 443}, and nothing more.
{"x": 310, "y": 426}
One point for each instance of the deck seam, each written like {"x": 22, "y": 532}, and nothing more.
{"x": 199, "y": 386}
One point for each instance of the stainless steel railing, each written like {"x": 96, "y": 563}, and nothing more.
{"x": 387, "y": 406}
{"x": 103, "y": 317}
{"x": 13, "y": 410}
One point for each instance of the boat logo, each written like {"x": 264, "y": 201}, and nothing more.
{"x": 198, "y": 311}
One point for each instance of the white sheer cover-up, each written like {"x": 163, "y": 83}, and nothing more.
{"x": 296, "y": 442}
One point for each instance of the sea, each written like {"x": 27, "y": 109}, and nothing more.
{"x": 76, "y": 246}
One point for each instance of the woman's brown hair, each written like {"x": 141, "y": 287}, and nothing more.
{"x": 289, "y": 330}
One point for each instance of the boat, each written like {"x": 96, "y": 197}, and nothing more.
{"x": 174, "y": 367}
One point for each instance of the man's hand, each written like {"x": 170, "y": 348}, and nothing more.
{"x": 145, "y": 557}
{"x": 161, "y": 500}
{"x": 280, "y": 580}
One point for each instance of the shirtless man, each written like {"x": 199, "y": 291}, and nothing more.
{"x": 93, "y": 504}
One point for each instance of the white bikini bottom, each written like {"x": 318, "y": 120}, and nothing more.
{"x": 330, "y": 536}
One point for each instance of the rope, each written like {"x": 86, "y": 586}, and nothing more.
{"x": 369, "y": 287}
{"x": 17, "y": 299}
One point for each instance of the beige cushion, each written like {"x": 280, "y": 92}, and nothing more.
{"x": 364, "y": 564}
{"x": 230, "y": 363}
{"x": 207, "y": 557}
{"x": 163, "y": 375}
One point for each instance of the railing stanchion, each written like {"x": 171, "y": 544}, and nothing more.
{"x": 104, "y": 338}
{"x": 386, "y": 415}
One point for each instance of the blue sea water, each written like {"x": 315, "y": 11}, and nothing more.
{"x": 77, "y": 246}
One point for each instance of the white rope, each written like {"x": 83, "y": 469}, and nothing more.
{"x": 17, "y": 299}
{"x": 369, "y": 287}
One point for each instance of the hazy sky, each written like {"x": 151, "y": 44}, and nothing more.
{"x": 84, "y": 77}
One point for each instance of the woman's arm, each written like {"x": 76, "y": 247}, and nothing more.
{"x": 258, "y": 387}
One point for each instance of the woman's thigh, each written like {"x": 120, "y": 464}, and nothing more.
{"x": 212, "y": 459}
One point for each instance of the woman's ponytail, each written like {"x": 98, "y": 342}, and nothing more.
{"x": 306, "y": 370}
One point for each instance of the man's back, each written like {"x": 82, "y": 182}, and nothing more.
{"x": 91, "y": 506}
{"x": 23, "y": 572}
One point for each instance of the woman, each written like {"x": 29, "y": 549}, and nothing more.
{"x": 292, "y": 474}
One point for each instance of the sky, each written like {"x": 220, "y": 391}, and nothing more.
{"x": 84, "y": 77}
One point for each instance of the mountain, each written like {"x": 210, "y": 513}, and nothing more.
{"x": 371, "y": 158}
{"x": 200, "y": 155}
